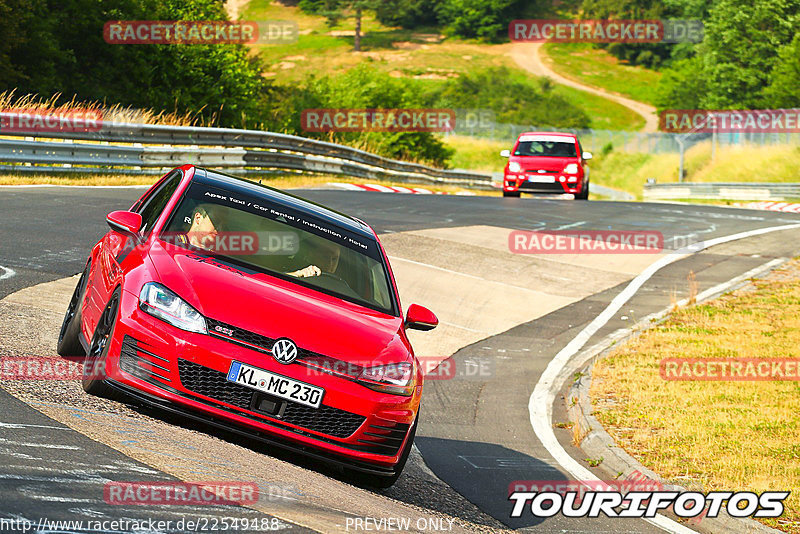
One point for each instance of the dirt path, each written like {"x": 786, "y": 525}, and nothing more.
{"x": 235, "y": 8}
{"x": 529, "y": 57}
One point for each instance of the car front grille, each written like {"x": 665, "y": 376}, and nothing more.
{"x": 263, "y": 343}
{"x": 235, "y": 334}
{"x": 213, "y": 384}
{"x": 555, "y": 187}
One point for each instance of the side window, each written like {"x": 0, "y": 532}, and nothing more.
{"x": 155, "y": 203}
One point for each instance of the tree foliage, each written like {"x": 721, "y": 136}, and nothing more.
{"x": 57, "y": 46}
{"x": 748, "y": 59}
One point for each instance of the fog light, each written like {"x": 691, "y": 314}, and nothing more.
{"x": 572, "y": 179}
{"x": 561, "y": 178}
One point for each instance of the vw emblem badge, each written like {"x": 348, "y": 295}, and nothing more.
{"x": 284, "y": 350}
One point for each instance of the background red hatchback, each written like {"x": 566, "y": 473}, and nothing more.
{"x": 546, "y": 162}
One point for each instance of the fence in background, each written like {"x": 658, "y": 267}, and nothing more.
{"x": 137, "y": 148}
{"x": 595, "y": 140}
{"x": 717, "y": 191}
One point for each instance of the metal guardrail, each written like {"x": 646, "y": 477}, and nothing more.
{"x": 159, "y": 146}
{"x": 729, "y": 190}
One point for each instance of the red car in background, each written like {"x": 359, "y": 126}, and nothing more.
{"x": 247, "y": 308}
{"x": 546, "y": 162}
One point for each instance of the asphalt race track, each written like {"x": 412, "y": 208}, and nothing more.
{"x": 510, "y": 313}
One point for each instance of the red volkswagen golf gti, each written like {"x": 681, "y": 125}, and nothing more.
{"x": 251, "y": 309}
{"x": 546, "y": 162}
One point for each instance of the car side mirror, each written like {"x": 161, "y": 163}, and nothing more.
{"x": 505, "y": 153}
{"x": 420, "y": 318}
{"x": 125, "y": 222}
{"x": 587, "y": 155}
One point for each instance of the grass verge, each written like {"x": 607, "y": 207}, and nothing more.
{"x": 629, "y": 171}
{"x": 596, "y": 67}
{"x": 712, "y": 434}
{"x": 477, "y": 154}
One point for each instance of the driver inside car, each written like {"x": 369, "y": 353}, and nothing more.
{"x": 322, "y": 256}
{"x": 203, "y": 230}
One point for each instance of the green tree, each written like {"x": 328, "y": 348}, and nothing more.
{"x": 57, "y": 46}
{"x": 682, "y": 86}
{"x": 406, "y": 13}
{"x": 740, "y": 49}
{"x": 784, "y": 88}
{"x": 336, "y": 10}
{"x": 483, "y": 19}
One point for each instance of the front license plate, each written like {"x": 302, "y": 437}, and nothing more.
{"x": 278, "y": 385}
{"x": 541, "y": 179}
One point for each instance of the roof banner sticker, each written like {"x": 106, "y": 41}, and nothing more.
{"x": 546, "y": 138}
{"x": 280, "y": 213}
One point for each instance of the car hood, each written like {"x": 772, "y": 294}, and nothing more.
{"x": 277, "y": 308}
{"x": 551, "y": 164}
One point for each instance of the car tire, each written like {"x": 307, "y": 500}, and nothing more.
{"x": 514, "y": 194}
{"x": 584, "y": 194}
{"x": 94, "y": 372}
{"x": 386, "y": 482}
{"x": 69, "y": 343}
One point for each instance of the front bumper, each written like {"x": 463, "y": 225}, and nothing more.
{"x": 562, "y": 184}
{"x": 186, "y": 372}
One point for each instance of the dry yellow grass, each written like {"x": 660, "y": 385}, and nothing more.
{"x": 116, "y": 113}
{"x": 279, "y": 181}
{"x": 713, "y": 434}
{"x": 744, "y": 163}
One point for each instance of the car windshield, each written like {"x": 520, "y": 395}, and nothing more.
{"x": 555, "y": 149}
{"x": 261, "y": 236}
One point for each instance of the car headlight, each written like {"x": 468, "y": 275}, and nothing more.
{"x": 162, "y": 303}
{"x": 571, "y": 168}
{"x": 395, "y": 378}
{"x": 513, "y": 166}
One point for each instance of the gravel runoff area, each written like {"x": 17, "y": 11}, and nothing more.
{"x": 29, "y": 327}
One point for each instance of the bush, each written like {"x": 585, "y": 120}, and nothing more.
{"x": 359, "y": 88}
{"x": 487, "y": 20}
{"x": 515, "y": 101}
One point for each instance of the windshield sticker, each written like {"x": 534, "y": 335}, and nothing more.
{"x": 292, "y": 219}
